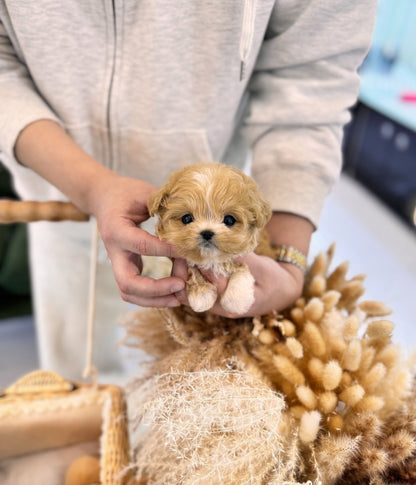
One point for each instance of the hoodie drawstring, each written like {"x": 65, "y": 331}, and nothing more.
{"x": 247, "y": 34}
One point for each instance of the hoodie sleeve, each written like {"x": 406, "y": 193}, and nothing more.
{"x": 21, "y": 103}
{"x": 303, "y": 84}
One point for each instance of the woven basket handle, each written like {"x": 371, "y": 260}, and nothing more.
{"x": 29, "y": 211}
{"x": 40, "y": 381}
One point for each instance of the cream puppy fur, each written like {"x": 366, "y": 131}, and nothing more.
{"x": 212, "y": 213}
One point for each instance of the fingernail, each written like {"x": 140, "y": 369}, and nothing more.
{"x": 177, "y": 287}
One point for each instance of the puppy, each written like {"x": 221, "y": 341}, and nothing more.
{"x": 212, "y": 213}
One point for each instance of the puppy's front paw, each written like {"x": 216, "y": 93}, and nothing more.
{"x": 201, "y": 297}
{"x": 239, "y": 295}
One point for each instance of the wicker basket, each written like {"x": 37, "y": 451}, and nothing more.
{"x": 42, "y": 411}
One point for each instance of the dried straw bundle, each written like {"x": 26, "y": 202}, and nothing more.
{"x": 308, "y": 382}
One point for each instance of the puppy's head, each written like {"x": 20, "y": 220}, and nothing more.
{"x": 210, "y": 212}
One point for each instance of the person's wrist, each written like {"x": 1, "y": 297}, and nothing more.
{"x": 282, "y": 285}
{"x": 290, "y": 230}
{"x": 98, "y": 188}
{"x": 297, "y": 273}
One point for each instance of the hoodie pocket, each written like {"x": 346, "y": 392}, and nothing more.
{"x": 153, "y": 155}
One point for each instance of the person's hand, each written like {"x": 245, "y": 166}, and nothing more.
{"x": 120, "y": 206}
{"x": 277, "y": 285}
{"x": 118, "y": 203}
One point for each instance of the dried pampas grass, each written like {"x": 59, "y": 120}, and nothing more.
{"x": 319, "y": 392}
{"x": 219, "y": 426}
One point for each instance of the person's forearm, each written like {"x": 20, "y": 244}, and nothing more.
{"x": 291, "y": 230}
{"x": 46, "y": 148}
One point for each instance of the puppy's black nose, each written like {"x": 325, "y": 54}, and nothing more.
{"x": 207, "y": 235}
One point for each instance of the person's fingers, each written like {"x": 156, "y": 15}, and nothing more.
{"x": 219, "y": 281}
{"x": 132, "y": 285}
{"x": 217, "y": 309}
{"x": 136, "y": 240}
{"x": 180, "y": 270}
{"x": 159, "y": 302}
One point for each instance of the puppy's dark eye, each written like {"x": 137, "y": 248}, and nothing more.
{"x": 187, "y": 218}
{"x": 229, "y": 220}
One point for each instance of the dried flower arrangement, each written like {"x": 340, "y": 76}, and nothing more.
{"x": 317, "y": 394}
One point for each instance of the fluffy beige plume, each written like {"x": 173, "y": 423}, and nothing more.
{"x": 313, "y": 339}
{"x": 331, "y": 376}
{"x": 309, "y": 426}
{"x": 314, "y": 310}
{"x": 307, "y": 397}
{"x": 328, "y": 401}
{"x": 288, "y": 370}
{"x": 352, "y": 355}
{"x": 332, "y": 452}
{"x": 330, "y": 299}
{"x": 295, "y": 347}
{"x": 352, "y": 395}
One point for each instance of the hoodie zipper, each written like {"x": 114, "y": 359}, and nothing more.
{"x": 247, "y": 34}
{"x": 111, "y": 86}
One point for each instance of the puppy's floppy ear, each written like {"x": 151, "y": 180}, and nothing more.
{"x": 259, "y": 207}
{"x": 261, "y": 212}
{"x": 157, "y": 199}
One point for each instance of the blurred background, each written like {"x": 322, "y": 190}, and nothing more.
{"x": 370, "y": 215}
{"x": 380, "y": 143}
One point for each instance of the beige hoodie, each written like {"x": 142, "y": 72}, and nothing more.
{"x": 148, "y": 86}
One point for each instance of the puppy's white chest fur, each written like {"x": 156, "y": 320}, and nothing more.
{"x": 218, "y": 268}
